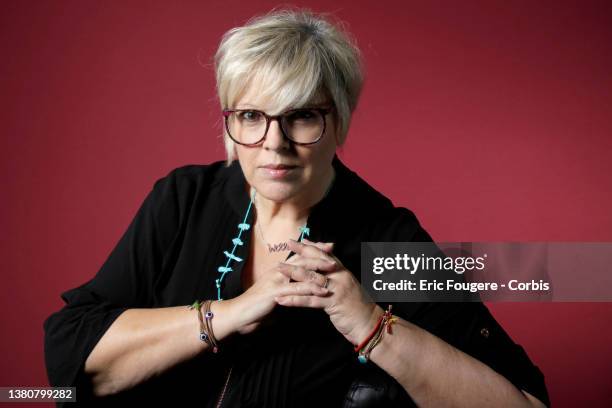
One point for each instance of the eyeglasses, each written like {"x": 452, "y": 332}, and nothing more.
{"x": 302, "y": 126}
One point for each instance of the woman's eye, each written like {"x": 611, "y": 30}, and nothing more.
{"x": 302, "y": 115}
{"x": 250, "y": 116}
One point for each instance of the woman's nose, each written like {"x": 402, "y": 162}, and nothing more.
{"x": 274, "y": 138}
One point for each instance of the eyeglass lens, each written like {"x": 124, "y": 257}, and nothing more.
{"x": 300, "y": 125}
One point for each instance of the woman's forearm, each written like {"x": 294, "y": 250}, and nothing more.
{"x": 435, "y": 373}
{"x": 142, "y": 343}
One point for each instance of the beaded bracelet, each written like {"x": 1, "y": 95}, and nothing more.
{"x": 208, "y": 315}
{"x": 206, "y": 333}
{"x": 365, "y": 348}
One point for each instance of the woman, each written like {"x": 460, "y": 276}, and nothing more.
{"x": 269, "y": 242}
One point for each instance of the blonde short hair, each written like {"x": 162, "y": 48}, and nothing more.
{"x": 293, "y": 57}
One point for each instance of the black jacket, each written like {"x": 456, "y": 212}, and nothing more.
{"x": 169, "y": 256}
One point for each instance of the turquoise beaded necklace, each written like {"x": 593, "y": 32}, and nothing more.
{"x": 244, "y": 226}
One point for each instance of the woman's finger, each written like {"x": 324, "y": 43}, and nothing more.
{"x": 300, "y": 289}
{"x": 324, "y": 246}
{"x": 307, "y": 250}
{"x": 326, "y": 265}
{"x": 302, "y": 301}
{"x": 301, "y": 274}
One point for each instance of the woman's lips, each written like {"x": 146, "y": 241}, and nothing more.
{"x": 277, "y": 172}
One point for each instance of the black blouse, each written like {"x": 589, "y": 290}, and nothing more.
{"x": 169, "y": 256}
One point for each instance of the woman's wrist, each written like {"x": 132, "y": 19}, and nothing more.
{"x": 362, "y": 331}
{"x": 222, "y": 322}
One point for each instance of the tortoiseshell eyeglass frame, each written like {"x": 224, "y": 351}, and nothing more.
{"x": 269, "y": 118}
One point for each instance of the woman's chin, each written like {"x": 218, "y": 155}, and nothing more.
{"x": 277, "y": 192}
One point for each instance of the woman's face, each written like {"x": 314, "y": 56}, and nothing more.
{"x": 312, "y": 162}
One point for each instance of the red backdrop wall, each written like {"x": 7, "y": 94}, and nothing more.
{"x": 491, "y": 120}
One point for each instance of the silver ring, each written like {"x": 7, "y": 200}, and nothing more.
{"x": 326, "y": 282}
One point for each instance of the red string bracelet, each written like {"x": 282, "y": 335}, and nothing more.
{"x": 367, "y": 340}
{"x": 365, "y": 348}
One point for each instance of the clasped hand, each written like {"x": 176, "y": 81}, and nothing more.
{"x": 299, "y": 281}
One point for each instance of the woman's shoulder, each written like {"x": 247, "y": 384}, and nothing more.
{"x": 196, "y": 174}
{"x": 390, "y": 222}
{"x": 173, "y": 194}
{"x": 187, "y": 179}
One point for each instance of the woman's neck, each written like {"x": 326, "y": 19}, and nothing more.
{"x": 295, "y": 210}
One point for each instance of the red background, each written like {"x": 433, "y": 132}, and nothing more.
{"x": 491, "y": 120}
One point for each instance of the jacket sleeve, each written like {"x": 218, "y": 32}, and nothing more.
{"x": 467, "y": 326}
{"x": 125, "y": 280}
